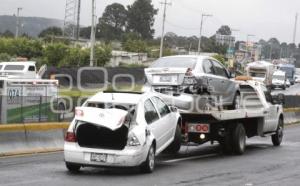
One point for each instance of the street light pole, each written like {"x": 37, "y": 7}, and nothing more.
{"x": 201, "y": 27}
{"x": 163, "y": 28}
{"x": 247, "y": 44}
{"x": 18, "y": 22}
{"x": 93, "y": 36}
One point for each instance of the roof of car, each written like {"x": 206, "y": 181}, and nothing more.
{"x": 119, "y": 97}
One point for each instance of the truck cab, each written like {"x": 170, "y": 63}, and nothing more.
{"x": 20, "y": 70}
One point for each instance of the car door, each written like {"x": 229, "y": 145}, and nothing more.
{"x": 154, "y": 124}
{"x": 167, "y": 119}
{"x": 224, "y": 85}
{"x": 210, "y": 76}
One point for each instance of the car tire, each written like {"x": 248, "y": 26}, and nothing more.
{"x": 277, "y": 138}
{"x": 149, "y": 165}
{"x": 236, "y": 104}
{"x": 174, "y": 147}
{"x": 238, "y": 139}
{"x": 72, "y": 167}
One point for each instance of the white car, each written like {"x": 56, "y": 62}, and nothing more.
{"x": 279, "y": 80}
{"x": 121, "y": 130}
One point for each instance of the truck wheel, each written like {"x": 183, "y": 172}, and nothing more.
{"x": 72, "y": 167}
{"x": 238, "y": 139}
{"x": 174, "y": 147}
{"x": 149, "y": 164}
{"x": 277, "y": 138}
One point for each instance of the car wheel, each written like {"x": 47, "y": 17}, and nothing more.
{"x": 277, "y": 138}
{"x": 236, "y": 102}
{"x": 72, "y": 167}
{"x": 149, "y": 165}
{"x": 283, "y": 87}
{"x": 174, "y": 147}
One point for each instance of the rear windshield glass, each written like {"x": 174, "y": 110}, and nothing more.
{"x": 108, "y": 105}
{"x": 14, "y": 67}
{"x": 0, "y": 67}
{"x": 177, "y": 62}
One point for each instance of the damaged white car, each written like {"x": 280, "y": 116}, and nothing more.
{"x": 121, "y": 130}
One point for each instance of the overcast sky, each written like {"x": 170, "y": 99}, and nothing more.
{"x": 263, "y": 18}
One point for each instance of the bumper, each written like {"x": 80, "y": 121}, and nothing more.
{"x": 129, "y": 157}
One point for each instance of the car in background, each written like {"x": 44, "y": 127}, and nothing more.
{"x": 121, "y": 130}
{"x": 288, "y": 83}
{"x": 279, "y": 80}
{"x": 182, "y": 78}
{"x": 290, "y": 71}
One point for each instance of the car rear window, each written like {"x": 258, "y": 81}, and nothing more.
{"x": 14, "y": 67}
{"x": 177, "y": 62}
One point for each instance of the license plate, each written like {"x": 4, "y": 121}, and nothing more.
{"x": 165, "y": 79}
{"x": 98, "y": 157}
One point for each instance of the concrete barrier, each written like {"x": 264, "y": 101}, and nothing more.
{"x": 291, "y": 115}
{"x": 19, "y": 139}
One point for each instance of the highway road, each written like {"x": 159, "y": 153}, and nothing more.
{"x": 262, "y": 164}
{"x": 293, "y": 90}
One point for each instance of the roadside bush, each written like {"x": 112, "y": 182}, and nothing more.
{"x": 54, "y": 54}
{"x": 103, "y": 54}
{"x": 4, "y": 57}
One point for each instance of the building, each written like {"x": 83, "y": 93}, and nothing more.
{"x": 225, "y": 40}
{"x": 127, "y": 58}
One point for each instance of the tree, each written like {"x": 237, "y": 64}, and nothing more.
{"x": 103, "y": 54}
{"x": 51, "y": 31}
{"x": 55, "y": 53}
{"x": 224, "y": 30}
{"x": 141, "y": 18}
{"x": 138, "y": 46}
{"x": 112, "y": 24}
{"x": 85, "y": 32}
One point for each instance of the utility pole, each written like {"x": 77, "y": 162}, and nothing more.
{"x": 165, "y": 3}
{"x": 295, "y": 28}
{"x": 78, "y": 20}
{"x": 93, "y": 36}
{"x": 201, "y": 27}
{"x": 18, "y": 22}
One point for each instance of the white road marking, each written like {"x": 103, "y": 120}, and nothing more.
{"x": 189, "y": 158}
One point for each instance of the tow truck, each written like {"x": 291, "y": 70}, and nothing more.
{"x": 25, "y": 96}
{"x": 259, "y": 114}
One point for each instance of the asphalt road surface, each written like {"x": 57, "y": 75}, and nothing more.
{"x": 262, "y": 164}
{"x": 292, "y": 90}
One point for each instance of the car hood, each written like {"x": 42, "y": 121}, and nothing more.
{"x": 156, "y": 76}
{"x": 109, "y": 118}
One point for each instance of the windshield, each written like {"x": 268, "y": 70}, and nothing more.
{"x": 278, "y": 77}
{"x": 176, "y": 62}
{"x": 257, "y": 74}
{"x": 14, "y": 67}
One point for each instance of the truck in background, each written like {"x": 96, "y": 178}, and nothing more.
{"x": 279, "y": 80}
{"x": 25, "y": 96}
{"x": 290, "y": 70}
{"x": 261, "y": 71}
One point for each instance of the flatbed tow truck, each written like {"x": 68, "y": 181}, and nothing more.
{"x": 259, "y": 114}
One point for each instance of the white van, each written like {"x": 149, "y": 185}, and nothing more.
{"x": 279, "y": 80}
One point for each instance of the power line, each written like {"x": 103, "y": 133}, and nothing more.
{"x": 165, "y": 3}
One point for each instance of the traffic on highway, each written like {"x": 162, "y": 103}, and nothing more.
{"x": 114, "y": 101}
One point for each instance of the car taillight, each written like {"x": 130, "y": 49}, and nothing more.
{"x": 189, "y": 72}
{"x": 70, "y": 137}
{"x": 79, "y": 113}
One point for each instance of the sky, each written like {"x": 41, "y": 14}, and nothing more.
{"x": 262, "y": 18}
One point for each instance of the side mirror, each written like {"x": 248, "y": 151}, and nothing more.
{"x": 173, "y": 109}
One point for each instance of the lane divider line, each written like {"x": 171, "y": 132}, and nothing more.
{"x": 190, "y": 158}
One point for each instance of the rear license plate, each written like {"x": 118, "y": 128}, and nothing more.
{"x": 98, "y": 157}
{"x": 199, "y": 128}
{"x": 165, "y": 79}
